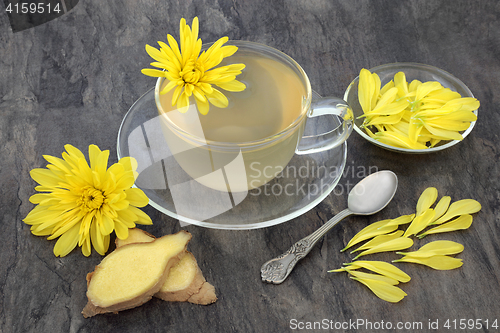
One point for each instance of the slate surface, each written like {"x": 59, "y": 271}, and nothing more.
{"x": 72, "y": 80}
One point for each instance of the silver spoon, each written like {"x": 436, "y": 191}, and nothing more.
{"x": 368, "y": 197}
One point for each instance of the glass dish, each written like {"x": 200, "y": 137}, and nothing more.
{"x": 303, "y": 183}
{"x": 412, "y": 71}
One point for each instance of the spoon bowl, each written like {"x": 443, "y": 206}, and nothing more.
{"x": 373, "y": 193}
{"x": 368, "y": 197}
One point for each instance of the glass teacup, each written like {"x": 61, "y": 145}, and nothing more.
{"x": 250, "y": 142}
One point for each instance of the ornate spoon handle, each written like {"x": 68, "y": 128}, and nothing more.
{"x": 276, "y": 270}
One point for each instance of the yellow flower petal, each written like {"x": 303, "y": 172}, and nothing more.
{"x": 461, "y": 223}
{"x": 441, "y": 96}
{"x": 45, "y": 177}
{"x": 383, "y": 290}
{"x": 380, "y": 267}
{"x": 67, "y": 242}
{"x": 127, "y": 217}
{"x": 426, "y": 200}
{"x": 379, "y": 240}
{"x": 386, "y": 98}
{"x": 202, "y": 105}
{"x": 425, "y": 88}
{"x": 383, "y": 120}
{"x": 69, "y": 224}
{"x": 40, "y": 214}
{"x": 156, "y": 54}
{"x": 441, "y": 208}
{"x": 440, "y": 247}
{"x": 218, "y": 99}
{"x": 97, "y": 239}
{"x": 153, "y": 72}
{"x": 378, "y": 277}
{"x": 121, "y": 230}
{"x": 419, "y": 223}
{"x": 366, "y": 90}
{"x": 142, "y": 218}
{"x": 446, "y": 134}
{"x": 464, "y": 103}
{"x": 414, "y": 85}
{"x": 404, "y": 219}
{"x": 461, "y": 207}
{"x": 401, "y": 84}
{"x": 398, "y": 140}
{"x": 136, "y": 197}
{"x": 389, "y": 109}
{"x": 233, "y": 85}
{"x": 372, "y": 230}
{"x": 438, "y": 262}
{"x": 183, "y": 103}
{"x": 376, "y": 93}
{"x": 400, "y": 243}
{"x": 86, "y": 248}
{"x": 386, "y": 87}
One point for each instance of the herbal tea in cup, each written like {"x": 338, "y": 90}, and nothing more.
{"x": 250, "y": 141}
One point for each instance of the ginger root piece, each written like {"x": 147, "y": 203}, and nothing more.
{"x": 185, "y": 281}
{"x": 131, "y": 275}
{"x": 135, "y": 235}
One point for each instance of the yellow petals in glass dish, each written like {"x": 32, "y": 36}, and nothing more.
{"x": 194, "y": 73}
{"x": 411, "y": 108}
{"x": 83, "y": 204}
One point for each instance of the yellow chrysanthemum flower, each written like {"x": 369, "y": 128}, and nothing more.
{"x": 192, "y": 74}
{"x": 83, "y": 204}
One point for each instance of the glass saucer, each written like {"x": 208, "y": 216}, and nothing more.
{"x": 303, "y": 183}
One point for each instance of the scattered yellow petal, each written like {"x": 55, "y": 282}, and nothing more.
{"x": 404, "y": 219}
{"x": 400, "y": 243}
{"x": 419, "y": 223}
{"x": 383, "y": 290}
{"x": 379, "y": 240}
{"x": 440, "y": 247}
{"x": 461, "y": 207}
{"x": 381, "y": 267}
{"x": 363, "y": 275}
{"x": 426, "y": 199}
{"x": 438, "y": 262}
{"x": 441, "y": 208}
{"x": 461, "y": 223}
{"x": 374, "y": 229}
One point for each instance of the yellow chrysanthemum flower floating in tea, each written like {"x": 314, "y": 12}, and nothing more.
{"x": 415, "y": 115}
{"x": 192, "y": 73}
{"x": 83, "y": 204}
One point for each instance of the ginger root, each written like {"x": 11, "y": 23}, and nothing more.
{"x": 131, "y": 275}
{"x": 185, "y": 281}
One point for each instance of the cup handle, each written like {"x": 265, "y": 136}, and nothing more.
{"x": 334, "y": 137}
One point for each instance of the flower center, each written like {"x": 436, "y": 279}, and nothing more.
{"x": 192, "y": 72}
{"x": 91, "y": 198}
